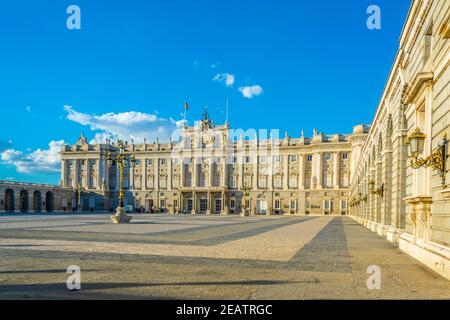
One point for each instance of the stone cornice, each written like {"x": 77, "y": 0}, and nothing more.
{"x": 419, "y": 80}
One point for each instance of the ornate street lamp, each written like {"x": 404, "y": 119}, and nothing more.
{"x": 437, "y": 159}
{"x": 79, "y": 197}
{"x": 379, "y": 191}
{"x": 122, "y": 161}
{"x": 245, "y": 189}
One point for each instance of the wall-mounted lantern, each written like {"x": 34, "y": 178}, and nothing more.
{"x": 437, "y": 159}
{"x": 377, "y": 191}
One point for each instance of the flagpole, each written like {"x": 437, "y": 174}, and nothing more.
{"x": 186, "y": 107}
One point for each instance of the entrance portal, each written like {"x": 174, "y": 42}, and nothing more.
{"x": 9, "y": 200}
{"x": 37, "y": 202}
{"x": 23, "y": 201}
{"x": 262, "y": 206}
{"x": 49, "y": 201}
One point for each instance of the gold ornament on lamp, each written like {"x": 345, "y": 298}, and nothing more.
{"x": 436, "y": 160}
{"x": 378, "y": 191}
{"x": 121, "y": 160}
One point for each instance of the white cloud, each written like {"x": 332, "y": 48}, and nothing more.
{"x": 38, "y": 161}
{"x": 251, "y": 91}
{"x": 126, "y": 125}
{"x": 228, "y": 78}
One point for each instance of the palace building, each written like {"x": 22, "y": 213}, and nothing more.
{"x": 392, "y": 177}
{"x": 400, "y": 186}
{"x": 209, "y": 169}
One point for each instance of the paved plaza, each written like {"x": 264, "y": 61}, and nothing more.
{"x": 205, "y": 257}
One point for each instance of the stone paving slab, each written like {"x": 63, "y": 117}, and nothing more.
{"x": 294, "y": 258}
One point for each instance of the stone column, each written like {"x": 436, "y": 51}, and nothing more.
{"x": 64, "y": 173}
{"x": 144, "y": 174}
{"x": 99, "y": 174}
{"x": 302, "y": 172}
{"x": 169, "y": 176}
{"x": 195, "y": 173}
{"x": 224, "y": 204}
{"x": 156, "y": 165}
{"x": 208, "y": 208}
{"x": 241, "y": 176}
{"x": 336, "y": 167}
{"x": 87, "y": 174}
{"x": 194, "y": 203}
{"x": 106, "y": 173}
{"x": 270, "y": 174}
{"x": 255, "y": 173}
{"x": 285, "y": 172}
{"x": 317, "y": 170}
{"x": 211, "y": 165}
{"x": 320, "y": 177}
{"x": 224, "y": 181}
{"x": 183, "y": 173}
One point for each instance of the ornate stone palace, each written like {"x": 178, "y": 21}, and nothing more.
{"x": 400, "y": 187}
{"x": 392, "y": 178}
{"x": 216, "y": 170}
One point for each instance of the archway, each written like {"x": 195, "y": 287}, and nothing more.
{"x": 23, "y": 201}
{"x": 9, "y": 200}
{"x": 49, "y": 201}
{"x": 37, "y": 201}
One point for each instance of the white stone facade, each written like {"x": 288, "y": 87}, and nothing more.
{"x": 211, "y": 169}
{"x": 414, "y": 209}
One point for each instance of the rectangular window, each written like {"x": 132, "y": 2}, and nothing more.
{"x": 248, "y": 159}
{"x": 248, "y": 181}
{"x": 276, "y": 159}
{"x": 233, "y": 204}
{"x": 343, "y": 204}
{"x": 344, "y": 155}
{"x": 293, "y": 158}
{"x": 162, "y": 162}
{"x": 278, "y": 182}
{"x": 309, "y": 157}
{"x": 176, "y": 182}
{"x": 163, "y": 182}
{"x": 218, "y": 205}
{"x": 307, "y": 204}
{"x": 175, "y": 203}
{"x": 149, "y": 162}
{"x": 293, "y": 205}
{"x": 262, "y": 159}
{"x": 203, "y": 205}
{"x": 162, "y": 204}
{"x": 327, "y": 205}
{"x": 277, "y": 205}
{"x": 328, "y": 156}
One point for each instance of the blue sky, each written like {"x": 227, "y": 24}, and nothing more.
{"x": 309, "y": 64}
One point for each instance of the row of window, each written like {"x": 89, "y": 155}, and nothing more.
{"x": 328, "y": 156}
{"x": 327, "y": 204}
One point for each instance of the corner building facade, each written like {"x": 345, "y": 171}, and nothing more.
{"x": 209, "y": 169}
